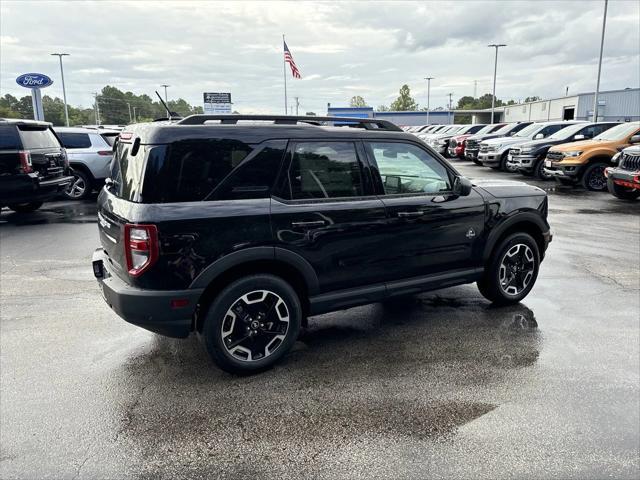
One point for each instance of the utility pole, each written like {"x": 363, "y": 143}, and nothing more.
{"x": 475, "y": 89}
{"x": 129, "y": 106}
{"x": 297, "y": 104}
{"x": 495, "y": 72}
{"x": 134, "y": 114}
{"x": 595, "y": 97}
{"x": 64, "y": 90}
{"x": 95, "y": 94}
{"x": 165, "y": 93}
{"x": 428, "y": 79}
{"x": 450, "y": 107}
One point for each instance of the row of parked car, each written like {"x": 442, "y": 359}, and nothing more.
{"x": 39, "y": 162}
{"x": 597, "y": 156}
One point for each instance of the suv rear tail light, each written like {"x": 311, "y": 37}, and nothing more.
{"x": 141, "y": 247}
{"x": 105, "y": 152}
{"x": 25, "y": 162}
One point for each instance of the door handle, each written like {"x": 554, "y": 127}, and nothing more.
{"x": 316, "y": 223}
{"x": 417, "y": 213}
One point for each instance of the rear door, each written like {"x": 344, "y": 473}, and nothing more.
{"x": 431, "y": 229}
{"x": 47, "y": 156}
{"x": 324, "y": 209}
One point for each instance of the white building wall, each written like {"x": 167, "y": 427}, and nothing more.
{"x": 542, "y": 111}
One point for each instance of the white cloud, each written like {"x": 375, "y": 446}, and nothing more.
{"x": 341, "y": 48}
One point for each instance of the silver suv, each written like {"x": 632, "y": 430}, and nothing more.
{"x": 90, "y": 153}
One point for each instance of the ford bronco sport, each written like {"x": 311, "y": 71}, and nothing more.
{"x": 239, "y": 230}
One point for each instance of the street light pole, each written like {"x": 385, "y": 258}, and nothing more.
{"x": 129, "y": 106}
{"x": 595, "y": 97}
{"x": 64, "y": 91}
{"x": 165, "y": 93}
{"x": 428, "y": 79}
{"x": 450, "y": 107}
{"x": 495, "y": 72}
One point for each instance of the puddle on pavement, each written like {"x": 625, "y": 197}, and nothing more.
{"x": 67, "y": 212}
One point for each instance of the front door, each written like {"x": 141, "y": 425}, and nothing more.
{"x": 429, "y": 229}
{"x": 324, "y": 209}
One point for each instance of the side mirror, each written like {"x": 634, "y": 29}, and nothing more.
{"x": 538, "y": 136}
{"x": 635, "y": 139}
{"x": 579, "y": 137}
{"x": 462, "y": 186}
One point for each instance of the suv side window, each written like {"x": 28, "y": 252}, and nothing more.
{"x": 320, "y": 170}
{"x": 191, "y": 169}
{"x": 9, "y": 139}
{"x": 408, "y": 169}
{"x": 75, "y": 140}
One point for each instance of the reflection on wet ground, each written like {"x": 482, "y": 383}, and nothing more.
{"x": 54, "y": 212}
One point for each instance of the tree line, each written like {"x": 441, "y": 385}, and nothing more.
{"x": 114, "y": 107}
{"x": 405, "y": 102}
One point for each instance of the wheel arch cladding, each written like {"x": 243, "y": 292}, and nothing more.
{"x": 522, "y": 223}
{"x": 300, "y": 279}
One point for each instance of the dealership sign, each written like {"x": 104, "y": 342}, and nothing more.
{"x": 33, "y": 80}
{"x": 217, "y": 102}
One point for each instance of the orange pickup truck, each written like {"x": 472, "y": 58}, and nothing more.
{"x": 584, "y": 163}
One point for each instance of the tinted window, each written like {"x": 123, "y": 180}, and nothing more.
{"x": 551, "y": 129}
{"x": 475, "y": 129}
{"x": 406, "y": 168}
{"x": 37, "y": 137}
{"x": 126, "y": 170}
{"x": 9, "y": 138}
{"x": 190, "y": 170}
{"x": 255, "y": 176}
{"x": 75, "y": 140}
{"x": 323, "y": 170}
{"x": 110, "y": 138}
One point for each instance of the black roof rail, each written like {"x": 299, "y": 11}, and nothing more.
{"x": 366, "y": 123}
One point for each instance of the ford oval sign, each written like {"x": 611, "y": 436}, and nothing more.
{"x": 33, "y": 80}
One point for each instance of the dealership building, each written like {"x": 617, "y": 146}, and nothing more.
{"x": 613, "y": 105}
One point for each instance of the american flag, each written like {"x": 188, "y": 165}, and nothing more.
{"x": 289, "y": 59}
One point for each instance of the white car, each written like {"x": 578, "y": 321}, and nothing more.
{"x": 90, "y": 152}
{"x": 494, "y": 152}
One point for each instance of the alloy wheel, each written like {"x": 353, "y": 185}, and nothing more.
{"x": 597, "y": 180}
{"x": 516, "y": 269}
{"x": 255, "y": 325}
{"x": 76, "y": 188}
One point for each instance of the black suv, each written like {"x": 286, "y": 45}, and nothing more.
{"x": 239, "y": 231}
{"x": 33, "y": 164}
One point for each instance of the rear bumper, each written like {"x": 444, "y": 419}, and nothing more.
{"x": 29, "y": 188}
{"x": 149, "y": 309}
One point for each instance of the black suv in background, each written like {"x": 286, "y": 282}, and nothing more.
{"x": 528, "y": 158}
{"x": 239, "y": 231}
{"x": 472, "y": 147}
{"x": 33, "y": 164}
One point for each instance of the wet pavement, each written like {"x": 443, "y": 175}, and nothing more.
{"x": 442, "y": 385}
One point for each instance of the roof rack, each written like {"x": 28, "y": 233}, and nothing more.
{"x": 366, "y": 123}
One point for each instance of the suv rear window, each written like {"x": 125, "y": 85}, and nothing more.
{"x": 9, "y": 139}
{"x": 110, "y": 138}
{"x": 37, "y": 137}
{"x": 75, "y": 140}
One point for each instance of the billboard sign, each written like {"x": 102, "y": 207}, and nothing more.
{"x": 33, "y": 80}
{"x": 217, "y": 102}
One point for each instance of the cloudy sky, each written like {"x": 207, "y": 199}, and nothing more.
{"x": 342, "y": 48}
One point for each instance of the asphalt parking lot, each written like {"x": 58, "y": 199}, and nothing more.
{"x": 441, "y": 386}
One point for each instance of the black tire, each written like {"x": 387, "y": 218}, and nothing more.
{"x": 538, "y": 170}
{"x": 593, "y": 177}
{"x": 81, "y": 186}
{"x": 25, "y": 207}
{"x": 623, "y": 193}
{"x": 476, "y": 161}
{"x": 218, "y": 318}
{"x": 490, "y": 285}
{"x": 503, "y": 163}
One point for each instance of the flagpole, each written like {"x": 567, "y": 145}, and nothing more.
{"x": 284, "y": 75}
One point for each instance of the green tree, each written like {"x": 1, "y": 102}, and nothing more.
{"x": 357, "y": 101}
{"x": 382, "y": 108}
{"x": 535, "y": 98}
{"x": 404, "y": 101}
